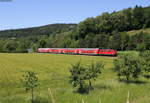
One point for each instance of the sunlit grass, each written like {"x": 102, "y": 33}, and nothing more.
{"x": 53, "y": 71}
{"x": 133, "y": 32}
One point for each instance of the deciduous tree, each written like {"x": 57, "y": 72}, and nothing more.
{"x": 128, "y": 66}
{"x": 30, "y": 81}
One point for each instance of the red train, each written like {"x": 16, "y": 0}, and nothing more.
{"x": 80, "y": 51}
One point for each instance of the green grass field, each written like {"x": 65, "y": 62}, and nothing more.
{"x": 53, "y": 72}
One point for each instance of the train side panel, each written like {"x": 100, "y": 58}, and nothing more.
{"x": 81, "y": 51}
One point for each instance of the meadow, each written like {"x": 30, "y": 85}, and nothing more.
{"x": 53, "y": 73}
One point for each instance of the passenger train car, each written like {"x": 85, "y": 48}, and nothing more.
{"x": 79, "y": 51}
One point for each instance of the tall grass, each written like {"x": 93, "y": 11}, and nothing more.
{"x": 53, "y": 72}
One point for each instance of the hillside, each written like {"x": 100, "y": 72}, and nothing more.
{"x": 133, "y": 32}
{"x": 124, "y": 20}
{"x": 35, "y": 31}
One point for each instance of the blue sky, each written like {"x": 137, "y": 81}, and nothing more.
{"x": 30, "y": 13}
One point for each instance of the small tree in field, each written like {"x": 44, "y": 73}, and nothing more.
{"x": 30, "y": 81}
{"x": 81, "y": 75}
{"x": 77, "y": 78}
{"x": 128, "y": 66}
{"x": 93, "y": 71}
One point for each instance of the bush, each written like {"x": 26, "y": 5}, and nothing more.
{"x": 141, "y": 47}
{"x": 128, "y": 66}
{"x": 81, "y": 75}
{"x": 30, "y": 82}
{"x": 93, "y": 71}
{"x": 145, "y": 56}
{"x": 77, "y": 78}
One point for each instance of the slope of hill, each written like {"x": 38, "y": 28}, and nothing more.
{"x": 133, "y": 32}
{"x": 35, "y": 31}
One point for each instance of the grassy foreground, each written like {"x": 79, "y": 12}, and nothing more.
{"x": 53, "y": 72}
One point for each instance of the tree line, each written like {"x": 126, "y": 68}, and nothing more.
{"x": 118, "y": 41}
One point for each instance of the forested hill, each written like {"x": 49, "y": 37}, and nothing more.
{"x": 35, "y": 31}
{"x": 108, "y": 30}
{"x": 125, "y": 20}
